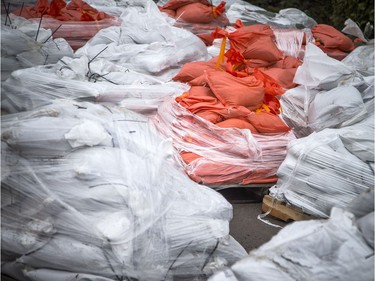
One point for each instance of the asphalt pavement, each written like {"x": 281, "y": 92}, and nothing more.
{"x": 245, "y": 226}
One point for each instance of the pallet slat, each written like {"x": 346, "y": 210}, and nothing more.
{"x": 280, "y": 210}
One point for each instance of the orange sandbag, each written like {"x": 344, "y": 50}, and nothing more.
{"x": 188, "y": 157}
{"x": 192, "y": 70}
{"x": 262, "y": 47}
{"x": 170, "y": 13}
{"x": 239, "y": 39}
{"x": 76, "y": 10}
{"x": 330, "y": 37}
{"x": 233, "y": 91}
{"x": 175, "y": 4}
{"x": 200, "y": 101}
{"x": 199, "y": 81}
{"x": 270, "y": 85}
{"x": 283, "y": 77}
{"x": 211, "y": 116}
{"x": 199, "y": 13}
{"x": 334, "y": 53}
{"x": 265, "y": 122}
{"x": 206, "y": 38}
{"x": 237, "y": 123}
{"x": 288, "y": 62}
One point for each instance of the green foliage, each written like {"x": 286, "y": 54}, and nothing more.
{"x": 360, "y": 11}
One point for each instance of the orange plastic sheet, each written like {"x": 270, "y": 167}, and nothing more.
{"x": 216, "y": 155}
{"x": 76, "y": 22}
{"x": 333, "y": 42}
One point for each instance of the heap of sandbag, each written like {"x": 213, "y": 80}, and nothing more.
{"x": 75, "y": 21}
{"x": 332, "y": 41}
{"x": 25, "y": 45}
{"x": 340, "y": 248}
{"x": 234, "y": 101}
{"x": 198, "y": 16}
{"x": 90, "y": 192}
{"x": 128, "y": 62}
{"x": 332, "y": 113}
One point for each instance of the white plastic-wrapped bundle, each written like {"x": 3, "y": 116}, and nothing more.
{"x": 146, "y": 42}
{"x": 25, "y": 45}
{"x": 221, "y": 156}
{"x": 97, "y": 80}
{"x": 324, "y": 250}
{"x": 327, "y": 169}
{"x": 289, "y": 40}
{"x": 362, "y": 59}
{"x": 319, "y": 71}
{"x": 285, "y": 18}
{"x": 332, "y": 94}
{"x": 106, "y": 211}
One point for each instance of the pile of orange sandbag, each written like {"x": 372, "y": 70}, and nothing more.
{"x": 198, "y": 16}
{"x": 76, "y": 22}
{"x": 232, "y": 91}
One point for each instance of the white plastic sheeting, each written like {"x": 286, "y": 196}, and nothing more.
{"x": 110, "y": 210}
{"x": 285, "y": 18}
{"x": 24, "y": 45}
{"x": 324, "y": 250}
{"x": 332, "y": 94}
{"x": 327, "y": 169}
{"x": 147, "y": 42}
{"x": 97, "y": 80}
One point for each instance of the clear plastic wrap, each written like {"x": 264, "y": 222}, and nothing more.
{"x": 333, "y": 249}
{"x": 321, "y": 71}
{"x": 285, "y": 18}
{"x": 75, "y": 22}
{"x": 245, "y": 157}
{"x": 150, "y": 44}
{"x": 24, "y": 45}
{"x": 328, "y": 169}
{"x": 106, "y": 211}
{"x": 96, "y": 80}
{"x": 290, "y": 41}
{"x": 362, "y": 59}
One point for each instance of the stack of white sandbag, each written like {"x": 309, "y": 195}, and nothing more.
{"x": 332, "y": 113}
{"x": 97, "y": 80}
{"x": 128, "y": 65}
{"x": 24, "y": 44}
{"x": 340, "y": 248}
{"x": 146, "y": 42}
{"x": 89, "y": 191}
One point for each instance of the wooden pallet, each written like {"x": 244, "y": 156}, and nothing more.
{"x": 282, "y": 211}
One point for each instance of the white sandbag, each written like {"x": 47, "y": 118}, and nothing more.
{"x": 126, "y": 211}
{"x": 320, "y": 173}
{"x": 366, "y": 226}
{"x": 353, "y": 29}
{"x": 329, "y": 109}
{"x": 30, "y": 88}
{"x": 332, "y": 249}
{"x": 150, "y": 44}
{"x": 56, "y": 275}
{"x": 361, "y": 58}
{"x": 25, "y": 45}
{"x": 320, "y": 71}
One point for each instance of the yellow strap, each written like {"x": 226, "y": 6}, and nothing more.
{"x": 220, "y": 59}
{"x": 265, "y": 107}
{"x": 214, "y": 14}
